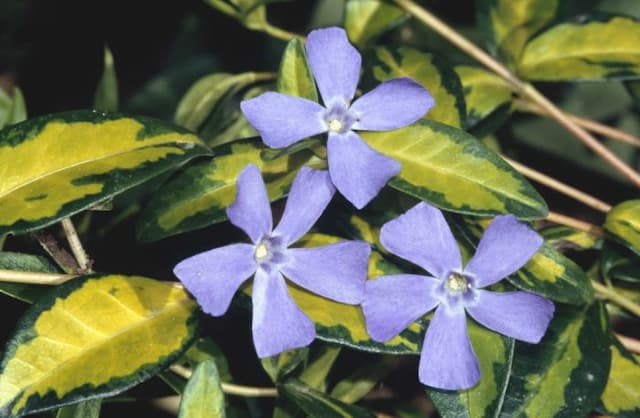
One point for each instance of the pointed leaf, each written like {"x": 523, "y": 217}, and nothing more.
{"x": 12, "y": 109}
{"x": 202, "y": 98}
{"x": 251, "y": 13}
{"x": 67, "y": 346}
{"x": 315, "y": 374}
{"x": 199, "y": 196}
{"x": 106, "y": 97}
{"x": 356, "y": 386}
{"x": 486, "y": 94}
{"x": 562, "y": 237}
{"x": 495, "y": 354}
{"x": 57, "y": 165}
{"x": 317, "y": 404}
{"x": 621, "y": 396}
{"x": 619, "y": 263}
{"x": 367, "y": 19}
{"x": 203, "y": 397}
{"x": 432, "y": 73}
{"x": 565, "y": 374}
{"x": 281, "y": 365}
{"x": 295, "y": 77}
{"x": 454, "y": 171}
{"x": 597, "y": 47}
{"x": 623, "y": 223}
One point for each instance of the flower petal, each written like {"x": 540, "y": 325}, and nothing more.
{"x": 310, "y": 194}
{"x": 358, "y": 171}
{"x": 506, "y": 245}
{"x": 391, "y": 303}
{"x": 447, "y": 360}
{"x": 214, "y": 276}
{"x": 422, "y": 236}
{"x": 282, "y": 120}
{"x": 251, "y": 211}
{"x": 278, "y": 323}
{"x": 393, "y": 104}
{"x": 335, "y": 64}
{"x": 520, "y": 315}
{"x": 336, "y": 271}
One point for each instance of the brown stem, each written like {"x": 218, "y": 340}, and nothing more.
{"x": 599, "y": 128}
{"x": 522, "y": 87}
{"x": 561, "y": 219}
{"x": 629, "y": 343}
{"x": 61, "y": 256}
{"x": 563, "y": 188}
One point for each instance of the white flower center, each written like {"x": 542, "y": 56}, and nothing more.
{"x": 457, "y": 283}
{"x": 335, "y": 125}
{"x": 262, "y": 251}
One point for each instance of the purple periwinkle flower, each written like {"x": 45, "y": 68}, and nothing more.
{"x": 337, "y": 271}
{"x": 391, "y": 303}
{"x": 358, "y": 171}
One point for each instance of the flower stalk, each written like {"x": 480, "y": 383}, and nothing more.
{"x": 610, "y": 294}
{"x": 28, "y": 277}
{"x": 230, "y": 388}
{"x": 581, "y": 225}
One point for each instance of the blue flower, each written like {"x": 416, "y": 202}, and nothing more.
{"x": 423, "y": 237}
{"x": 337, "y": 271}
{"x": 358, "y": 171}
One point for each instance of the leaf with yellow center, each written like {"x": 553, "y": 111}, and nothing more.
{"x": 69, "y": 345}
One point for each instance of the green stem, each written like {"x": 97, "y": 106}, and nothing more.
{"x": 610, "y": 294}
{"x": 230, "y": 388}
{"x": 279, "y": 33}
{"x": 76, "y": 246}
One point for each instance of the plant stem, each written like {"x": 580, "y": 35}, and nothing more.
{"x": 561, "y": 219}
{"x": 609, "y": 132}
{"x": 563, "y": 188}
{"x": 610, "y": 294}
{"x": 27, "y": 277}
{"x": 76, "y": 246}
{"x": 61, "y": 256}
{"x": 279, "y": 33}
{"x": 522, "y": 87}
{"x": 629, "y": 343}
{"x": 230, "y": 388}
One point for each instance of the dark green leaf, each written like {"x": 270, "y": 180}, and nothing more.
{"x": 317, "y": 404}
{"x": 25, "y": 262}
{"x": 86, "y": 409}
{"x": 106, "y": 97}
{"x": 203, "y": 397}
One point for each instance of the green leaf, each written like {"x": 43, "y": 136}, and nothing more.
{"x": 295, "y": 77}
{"x": 621, "y": 396}
{"x": 315, "y": 374}
{"x": 509, "y": 24}
{"x": 317, "y": 404}
{"x": 202, "y": 98}
{"x": 206, "y": 349}
{"x": 57, "y": 165}
{"x": 454, "y": 171}
{"x": 620, "y": 264}
{"x": 67, "y": 346}
{"x": 548, "y": 273}
{"x": 203, "y": 397}
{"x": 486, "y": 94}
{"x": 588, "y": 48}
{"x": 106, "y": 97}
{"x": 562, "y": 237}
{"x": 354, "y": 387}
{"x": 251, "y": 13}
{"x": 565, "y": 374}
{"x": 432, "y": 73}
{"x": 25, "y": 262}
{"x": 86, "y": 409}
{"x": 495, "y": 354}
{"x": 12, "y": 109}
{"x": 365, "y": 20}
{"x": 623, "y": 223}
{"x": 279, "y": 366}
{"x": 199, "y": 195}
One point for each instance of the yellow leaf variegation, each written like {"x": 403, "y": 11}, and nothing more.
{"x": 623, "y": 223}
{"x": 596, "y": 48}
{"x": 433, "y": 74}
{"x": 69, "y": 346}
{"x": 57, "y": 165}
{"x": 485, "y": 93}
{"x": 454, "y": 171}
{"x": 199, "y": 196}
{"x": 366, "y": 19}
